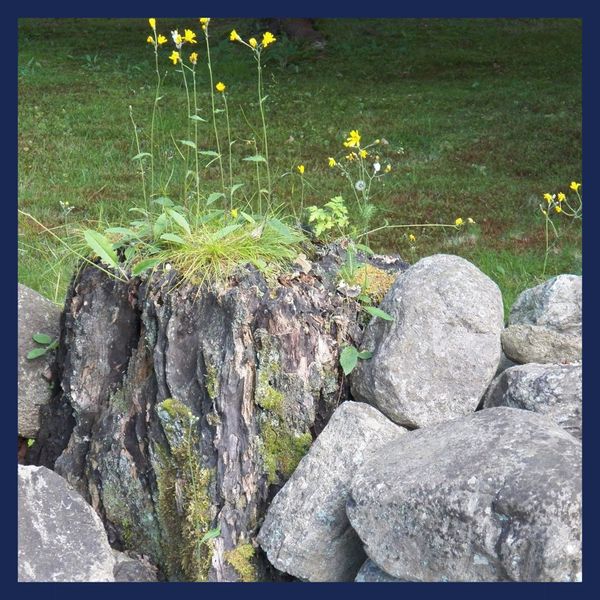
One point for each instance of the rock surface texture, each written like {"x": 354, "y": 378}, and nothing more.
{"x": 371, "y": 573}
{"x": 36, "y": 315}
{"x": 436, "y": 359}
{"x": 61, "y": 538}
{"x": 306, "y": 532}
{"x": 551, "y": 390}
{"x": 494, "y": 496}
{"x": 128, "y": 569}
{"x": 545, "y": 323}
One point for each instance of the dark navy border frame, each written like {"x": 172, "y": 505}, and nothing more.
{"x": 332, "y": 8}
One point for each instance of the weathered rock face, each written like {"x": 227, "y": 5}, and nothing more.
{"x": 61, "y": 538}
{"x": 128, "y": 569}
{"x": 371, "y": 573}
{"x": 193, "y": 407}
{"x": 495, "y": 496}
{"x": 306, "y": 532}
{"x": 551, "y": 390}
{"x": 545, "y": 323}
{"x": 36, "y": 315}
{"x": 435, "y": 361}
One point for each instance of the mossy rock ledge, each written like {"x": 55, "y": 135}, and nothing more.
{"x": 183, "y": 410}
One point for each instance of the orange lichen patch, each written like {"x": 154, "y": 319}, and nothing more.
{"x": 374, "y": 282}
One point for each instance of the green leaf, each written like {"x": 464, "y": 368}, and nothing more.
{"x": 180, "y": 220}
{"x": 210, "y": 534}
{"x": 42, "y": 338}
{"x": 235, "y": 187}
{"x": 188, "y": 143}
{"x": 102, "y": 247}
{"x": 30, "y": 442}
{"x": 364, "y": 299}
{"x": 348, "y": 359}
{"x": 121, "y": 231}
{"x": 255, "y": 158}
{"x": 224, "y": 231}
{"x": 141, "y": 155}
{"x": 208, "y": 153}
{"x": 377, "y": 312}
{"x": 248, "y": 217}
{"x": 160, "y": 225}
{"x": 214, "y": 197}
{"x": 130, "y": 252}
{"x": 365, "y": 249}
{"x": 172, "y": 237}
{"x": 139, "y": 210}
{"x": 144, "y": 265}
{"x": 365, "y": 354}
{"x": 36, "y": 353}
{"x": 197, "y": 118}
{"x": 162, "y": 201}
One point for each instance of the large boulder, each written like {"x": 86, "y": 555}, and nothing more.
{"x": 306, "y": 532}
{"x": 551, "y": 390}
{"x": 434, "y": 362}
{"x": 371, "y": 573}
{"x": 494, "y": 496}
{"x": 545, "y": 323}
{"x": 36, "y": 314}
{"x": 61, "y": 538}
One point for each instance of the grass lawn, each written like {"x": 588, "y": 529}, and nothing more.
{"x": 482, "y": 116}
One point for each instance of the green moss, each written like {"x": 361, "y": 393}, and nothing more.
{"x": 269, "y": 371}
{"x": 267, "y": 397}
{"x": 211, "y": 381}
{"x": 184, "y": 501}
{"x": 240, "y": 558}
{"x": 282, "y": 449}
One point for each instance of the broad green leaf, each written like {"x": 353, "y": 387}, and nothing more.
{"x": 172, "y": 237}
{"x": 162, "y": 201}
{"x": 377, "y": 312}
{"x": 235, "y": 187}
{"x": 180, "y": 220}
{"x": 225, "y": 231}
{"x": 210, "y": 534}
{"x": 248, "y": 217}
{"x": 141, "y": 155}
{"x": 348, "y": 359}
{"x": 210, "y": 216}
{"x": 102, "y": 247}
{"x": 42, "y": 338}
{"x": 365, "y": 354}
{"x": 208, "y": 153}
{"x": 36, "y": 353}
{"x": 256, "y": 158}
{"x": 364, "y": 299}
{"x": 365, "y": 249}
{"x": 188, "y": 143}
{"x": 130, "y": 252}
{"x": 214, "y": 197}
{"x": 144, "y": 265}
{"x": 121, "y": 231}
{"x": 197, "y": 118}
{"x": 160, "y": 225}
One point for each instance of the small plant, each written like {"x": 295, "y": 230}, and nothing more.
{"x": 47, "y": 345}
{"x": 560, "y": 205}
{"x": 349, "y": 357}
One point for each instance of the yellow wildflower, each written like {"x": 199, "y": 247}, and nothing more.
{"x": 150, "y": 39}
{"x": 204, "y": 20}
{"x": 388, "y": 168}
{"x": 458, "y": 222}
{"x": 332, "y": 162}
{"x": 189, "y": 36}
{"x": 575, "y": 186}
{"x": 234, "y": 213}
{"x": 268, "y": 38}
{"x": 561, "y": 197}
{"x": 363, "y": 154}
{"x": 220, "y": 87}
{"x": 152, "y": 23}
{"x": 411, "y": 238}
{"x": 351, "y": 156}
{"x": 174, "y": 57}
{"x": 177, "y": 39}
{"x": 557, "y": 208}
{"x": 253, "y": 42}
{"x": 162, "y": 40}
{"x": 234, "y": 36}
{"x": 547, "y": 197}
{"x": 194, "y": 58}
{"x": 300, "y": 169}
{"x": 353, "y": 139}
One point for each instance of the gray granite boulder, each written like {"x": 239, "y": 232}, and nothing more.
{"x": 434, "y": 362}
{"x": 36, "y": 314}
{"x": 61, "y": 538}
{"x": 545, "y": 323}
{"x": 551, "y": 390}
{"x": 371, "y": 573}
{"x": 494, "y": 496}
{"x": 306, "y": 532}
{"x": 133, "y": 569}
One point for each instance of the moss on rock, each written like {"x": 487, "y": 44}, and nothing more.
{"x": 241, "y": 559}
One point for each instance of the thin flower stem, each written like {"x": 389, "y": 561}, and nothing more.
{"x": 154, "y": 107}
{"x": 141, "y": 160}
{"x": 187, "y": 151}
{"x": 230, "y": 158}
{"x": 407, "y": 226}
{"x": 264, "y": 126}
{"x": 196, "y": 143}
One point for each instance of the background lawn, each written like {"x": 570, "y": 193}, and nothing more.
{"x": 482, "y": 117}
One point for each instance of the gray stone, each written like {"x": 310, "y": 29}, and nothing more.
{"x": 545, "y": 322}
{"x": 537, "y": 344}
{"x": 133, "y": 569}
{"x": 371, "y": 573}
{"x": 551, "y": 390}
{"x": 61, "y": 538}
{"x": 434, "y": 362}
{"x": 505, "y": 363}
{"x": 306, "y": 532}
{"x": 494, "y": 496}
{"x": 36, "y": 314}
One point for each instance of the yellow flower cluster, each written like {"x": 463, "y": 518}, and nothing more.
{"x": 353, "y": 140}
{"x": 555, "y": 201}
{"x": 267, "y": 39}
